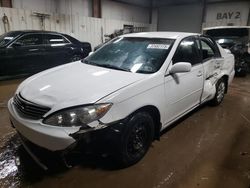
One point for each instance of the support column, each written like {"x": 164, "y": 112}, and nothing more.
{"x": 96, "y": 8}
{"x": 6, "y": 3}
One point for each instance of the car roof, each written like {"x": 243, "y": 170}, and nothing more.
{"x": 226, "y": 27}
{"x": 34, "y": 31}
{"x": 169, "y": 35}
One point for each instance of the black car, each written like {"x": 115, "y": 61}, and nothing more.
{"x": 235, "y": 39}
{"x": 239, "y": 49}
{"x": 25, "y": 53}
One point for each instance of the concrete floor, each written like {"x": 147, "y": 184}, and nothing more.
{"x": 209, "y": 148}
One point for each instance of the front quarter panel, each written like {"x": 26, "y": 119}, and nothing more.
{"x": 148, "y": 92}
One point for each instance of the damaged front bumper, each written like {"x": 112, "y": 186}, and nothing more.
{"x": 105, "y": 138}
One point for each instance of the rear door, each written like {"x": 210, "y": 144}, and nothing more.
{"x": 212, "y": 61}
{"x": 183, "y": 90}
{"x": 57, "y": 50}
{"x": 27, "y": 55}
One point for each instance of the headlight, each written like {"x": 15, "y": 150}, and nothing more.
{"x": 78, "y": 116}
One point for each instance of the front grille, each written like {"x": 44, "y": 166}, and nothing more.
{"x": 28, "y": 109}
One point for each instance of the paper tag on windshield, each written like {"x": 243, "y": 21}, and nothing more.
{"x": 158, "y": 46}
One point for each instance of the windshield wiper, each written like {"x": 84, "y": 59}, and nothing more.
{"x": 144, "y": 72}
{"x": 113, "y": 67}
{"x": 105, "y": 65}
{"x": 85, "y": 61}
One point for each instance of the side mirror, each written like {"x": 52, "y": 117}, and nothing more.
{"x": 180, "y": 67}
{"x": 90, "y": 53}
{"x": 227, "y": 51}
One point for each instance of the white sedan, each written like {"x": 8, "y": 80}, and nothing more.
{"x": 123, "y": 95}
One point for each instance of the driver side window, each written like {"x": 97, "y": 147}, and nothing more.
{"x": 187, "y": 52}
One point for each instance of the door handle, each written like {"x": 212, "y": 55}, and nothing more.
{"x": 33, "y": 50}
{"x": 199, "y": 73}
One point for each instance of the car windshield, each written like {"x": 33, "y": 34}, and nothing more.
{"x": 226, "y": 42}
{"x": 229, "y": 42}
{"x": 6, "y": 38}
{"x": 137, "y": 55}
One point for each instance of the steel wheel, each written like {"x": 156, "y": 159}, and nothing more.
{"x": 136, "y": 139}
{"x": 221, "y": 91}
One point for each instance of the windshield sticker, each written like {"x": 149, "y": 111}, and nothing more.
{"x": 8, "y": 38}
{"x": 158, "y": 46}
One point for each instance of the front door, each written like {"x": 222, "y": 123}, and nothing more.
{"x": 183, "y": 90}
{"x": 26, "y": 55}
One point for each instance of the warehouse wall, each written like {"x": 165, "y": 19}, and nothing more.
{"x": 109, "y": 9}
{"x": 186, "y": 18}
{"x": 35, "y": 5}
{"x": 189, "y": 17}
{"x": 121, "y": 11}
{"x": 231, "y": 13}
{"x": 74, "y": 18}
{"x": 81, "y": 7}
{"x": 82, "y": 27}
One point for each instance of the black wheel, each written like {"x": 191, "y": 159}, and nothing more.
{"x": 75, "y": 58}
{"x": 137, "y": 139}
{"x": 220, "y": 92}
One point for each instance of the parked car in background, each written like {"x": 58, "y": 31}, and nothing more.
{"x": 24, "y": 53}
{"x": 123, "y": 95}
{"x": 236, "y": 39}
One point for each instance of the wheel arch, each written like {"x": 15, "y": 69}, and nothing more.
{"x": 155, "y": 113}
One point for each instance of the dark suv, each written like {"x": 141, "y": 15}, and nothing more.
{"x": 24, "y": 53}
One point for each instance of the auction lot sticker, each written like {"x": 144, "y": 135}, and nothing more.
{"x": 158, "y": 46}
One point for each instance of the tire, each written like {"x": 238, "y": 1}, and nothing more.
{"x": 136, "y": 139}
{"x": 75, "y": 58}
{"x": 220, "y": 93}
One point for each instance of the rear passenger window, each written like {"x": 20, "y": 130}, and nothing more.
{"x": 207, "y": 51}
{"x": 55, "y": 39}
{"x": 187, "y": 52}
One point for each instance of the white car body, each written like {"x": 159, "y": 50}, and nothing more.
{"x": 78, "y": 83}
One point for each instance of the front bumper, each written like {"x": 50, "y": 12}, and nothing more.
{"x": 48, "y": 137}
{"x": 106, "y": 138}
{"x": 42, "y": 141}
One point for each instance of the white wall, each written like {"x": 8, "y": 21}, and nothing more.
{"x": 109, "y": 9}
{"x": 222, "y": 14}
{"x": 81, "y": 27}
{"x": 35, "y": 5}
{"x": 74, "y": 17}
{"x": 121, "y": 11}
{"x": 80, "y": 7}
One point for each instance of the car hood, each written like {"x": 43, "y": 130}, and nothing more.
{"x": 75, "y": 84}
